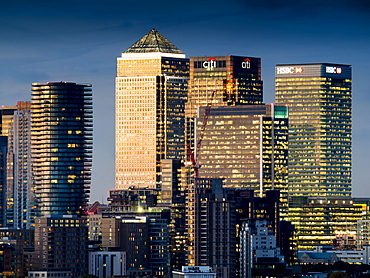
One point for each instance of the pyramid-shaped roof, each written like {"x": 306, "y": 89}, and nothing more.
{"x": 153, "y": 42}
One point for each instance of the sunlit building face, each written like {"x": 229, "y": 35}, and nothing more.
{"x": 319, "y": 97}
{"x": 151, "y": 90}
{"x": 246, "y": 146}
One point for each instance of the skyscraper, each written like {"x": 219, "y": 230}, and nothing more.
{"x": 6, "y": 116}
{"x": 151, "y": 90}
{"x": 61, "y": 146}
{"x": 219, "y": 81}
{"x": 20, "y": 194}
{"x": 247, "y": 146}
{"x": 236, "y": 80}
{"x": 319, "y": 97}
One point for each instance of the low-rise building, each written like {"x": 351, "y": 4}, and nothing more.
{"x": 194, "y": 272}
{"x": 107, "y": 264}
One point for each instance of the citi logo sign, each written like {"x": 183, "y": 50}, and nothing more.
{"x": 285, "y": 70}
{"x": 246, "y": 64}
{"x": 211, "y": 63}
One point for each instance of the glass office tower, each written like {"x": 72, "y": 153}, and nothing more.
{"x": 61, "y": 146}
{"x": 246, "y": 146}
{"x": 319, "y": 97}
{"x": 219, "y": 81}
{"x": 236, "y": 80}
{"x": 151, "y": 90}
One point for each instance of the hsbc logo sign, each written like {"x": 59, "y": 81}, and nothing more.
{"x": 287, "y": 70}
{"x": 211, "y": 63}
{"x": 336, "y": 70}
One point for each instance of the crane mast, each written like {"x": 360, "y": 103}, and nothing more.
{"x": 191, "y": 208}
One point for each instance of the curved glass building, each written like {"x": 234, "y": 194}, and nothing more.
{"x": 61, "y": 146}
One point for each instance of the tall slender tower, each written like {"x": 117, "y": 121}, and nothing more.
{"x": 6, "y": 117}
{"x": 61, "y": 146}
{"x": 151, "y": 90}
{"x": 20, "y": 194}
{"x": 319, "y": 97}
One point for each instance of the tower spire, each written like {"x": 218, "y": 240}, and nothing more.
{"x": 153, "y": 42}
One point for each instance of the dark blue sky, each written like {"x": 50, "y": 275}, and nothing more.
{"x": 79, "y": 40}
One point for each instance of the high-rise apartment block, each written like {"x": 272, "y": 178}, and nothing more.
{"x": 3, "y": 162}
{"x": 151, "y": 90}
{"x": 61, "y": 137}
{"x": 319, "y": 97}
{"x": 61, "y": 146}
{"x": 6, "y": 116}
{"x": 61, "y": 244}
{"x": 211, "y": 221}
{"x": 20, "y": 193}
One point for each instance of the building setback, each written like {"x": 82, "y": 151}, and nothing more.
{"x": 319, "y": 97}
{"x": 151, "y": 90}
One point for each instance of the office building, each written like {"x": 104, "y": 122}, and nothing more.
{"x": 221, "y": 81}
{"x": 246, "y": 146}
{"x": 20, "y": 193}
{"x": 151, "y": 91}
{"x": 324, "y": 221}
{"x": 235, "y": 80}
{"x": 61, "y": 146}
{"x": 319, "y": 97}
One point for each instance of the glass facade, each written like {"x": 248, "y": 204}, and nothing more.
{"x": 20, "y": 191}
{"x": 151, "y": 91}
{"x": 61, "y": 146}
{"x": 236, "y": 81}
{"x": 324, "y": 221}
{"x": 319, "y": 97}
{"x": 3, "y": 150}
{"x": 246, "y": 146}
{"x": 219, "y": 81}
{"x": 6, "y": 116}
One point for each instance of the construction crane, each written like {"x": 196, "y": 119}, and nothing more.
{"x": 194, "y": 158}
{"x": 191, "y": 208}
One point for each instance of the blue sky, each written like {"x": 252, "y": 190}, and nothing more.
{"x": 79, "y": 40}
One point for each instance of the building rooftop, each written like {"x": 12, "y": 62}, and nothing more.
{"x": 153, "y": 42}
